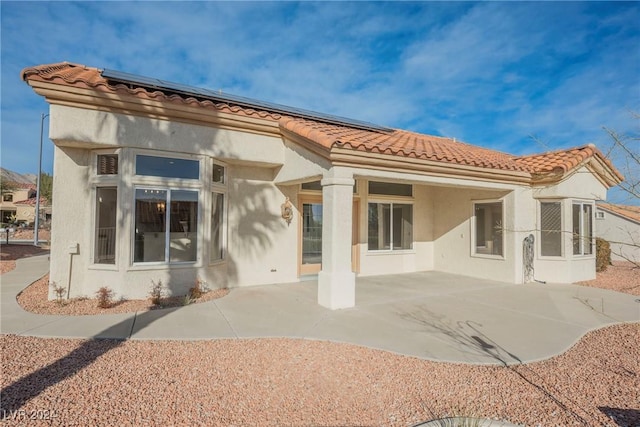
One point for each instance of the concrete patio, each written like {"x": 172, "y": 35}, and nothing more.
{"x": 429, "y": 315}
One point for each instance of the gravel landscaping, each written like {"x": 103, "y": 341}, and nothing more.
{"x": 621, "y": 277}
{"x": 296, "y": 382}
{"x": 34, "y": 299}
{"x": 289, "y": 382}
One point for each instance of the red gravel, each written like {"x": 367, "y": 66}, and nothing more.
{"x": 621, "y": 277}
{"x": 34, "y": 299}
{"x": 291, "y": 382}
{"x": 27, "y": 234}
{"x": 299, "y": 383}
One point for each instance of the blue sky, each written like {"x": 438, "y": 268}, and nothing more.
{"x": 493, "y": 74}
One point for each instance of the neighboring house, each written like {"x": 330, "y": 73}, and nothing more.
{"x": 168, "y": 182}
{"x": 18, "y": 201}
{"x": 620, "y": 226}
{"x": 14, "y": 205}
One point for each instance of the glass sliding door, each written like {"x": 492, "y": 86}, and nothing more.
{"x": 311, "y": 238}
{"x": 310, "y": 254}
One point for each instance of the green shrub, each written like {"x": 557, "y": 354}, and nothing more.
{"x": 603, "y": 254}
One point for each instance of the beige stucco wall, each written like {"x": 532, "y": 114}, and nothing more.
{"x": 582, "y": 186}
{"x": 261, "y": 248}
{"x": 420, "y": 258}
{"x": 300, "y": 165}
{"x": 452, "y": 235}
{"x": 71, "y": 223}
{"x": 26, "y": 213}
{"x": 99, "y": 129}
{"x": 22, "y": 212}
{"x": 622, "y": 234}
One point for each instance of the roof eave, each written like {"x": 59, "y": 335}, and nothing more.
{"x": 358, "y": 159}
{"x": 187, "y": 112}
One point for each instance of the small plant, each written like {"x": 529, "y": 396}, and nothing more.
{"x": 156, "y": 293}
{"x": 603, "y": 254}
{"x": 197, "y": 290}
{"x": 105, "y": 297}
{"x": 59, "y": 292}
{"x": 186, "y": 300}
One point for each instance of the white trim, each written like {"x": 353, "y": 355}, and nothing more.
{"x": 581, "y": 203}
{"x": 170, "y": 155}
{"x": 199, "y": 236}
{"x": 398, "y": 200}
{"x": 94, "y": 223}
{"x": 104, "y": 180}
{"x": 472, "y": 224}
{"x": 563, "y": 230}
{"x": 223, "y": 231}
{"x": 389, "y": 196}
{"x": 225, "y": 179}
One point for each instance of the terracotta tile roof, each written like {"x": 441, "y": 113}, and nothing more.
{"x": 392, "y": 142}
{"x": 22, "y": 185}
{"x": 81, "y": 76}
{"x": 551, "y": 161}
{"x": 32, "y": 202}
{"x": 629, "y": 212}
{"x": 400, "y": 143}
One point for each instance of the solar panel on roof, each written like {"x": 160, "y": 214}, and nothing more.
{"x": 242, "y": 101}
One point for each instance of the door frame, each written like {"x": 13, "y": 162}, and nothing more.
{"x": 355, "y": 234}
{"x": 308, "y": 268}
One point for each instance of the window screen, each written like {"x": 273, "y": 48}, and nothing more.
{"x": 551, "y": 228}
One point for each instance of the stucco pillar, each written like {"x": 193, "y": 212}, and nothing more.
{"x": 336, "y": 281}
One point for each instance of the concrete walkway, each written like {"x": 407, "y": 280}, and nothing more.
{"x": 429, "y": 315}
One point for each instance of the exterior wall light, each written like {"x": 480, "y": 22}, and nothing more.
{"x": 287, "y": 211}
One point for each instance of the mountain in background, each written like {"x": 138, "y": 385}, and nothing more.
{"x": 10, "y": 176}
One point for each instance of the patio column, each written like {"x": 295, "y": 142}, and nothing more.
{"x": 336, "y": 281}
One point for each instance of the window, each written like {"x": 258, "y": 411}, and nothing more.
{"x": 166, "y": 225}
{"x": 105, "y": 232}
{"x": 488, "y": 228}
{"x": 316, "y": 186}
{"x": 551, "y": 228}
{"x": 313, "y": 186}
{"x": 167, "y": 167}
{"x": 390, "y": 226}
{"x": 599, "y": 215}
{"x": 312, "y": 233}
{"x": 7, "y": 197}
{"x": 582, "y": 229}
{"x": 107, "y": 164}
{"x": 218, "y": 174}
{"x": 390, "y": 189}
{"x": 217, "y": 218}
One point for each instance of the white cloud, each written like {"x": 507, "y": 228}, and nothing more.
{"x": 487, "y": 73}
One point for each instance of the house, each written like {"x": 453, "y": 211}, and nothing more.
{"x": 620, "y": 226}
{"x": 167, "y": 182}
{"x": 15, "y": 205}
{"x": 18, "y": 202}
